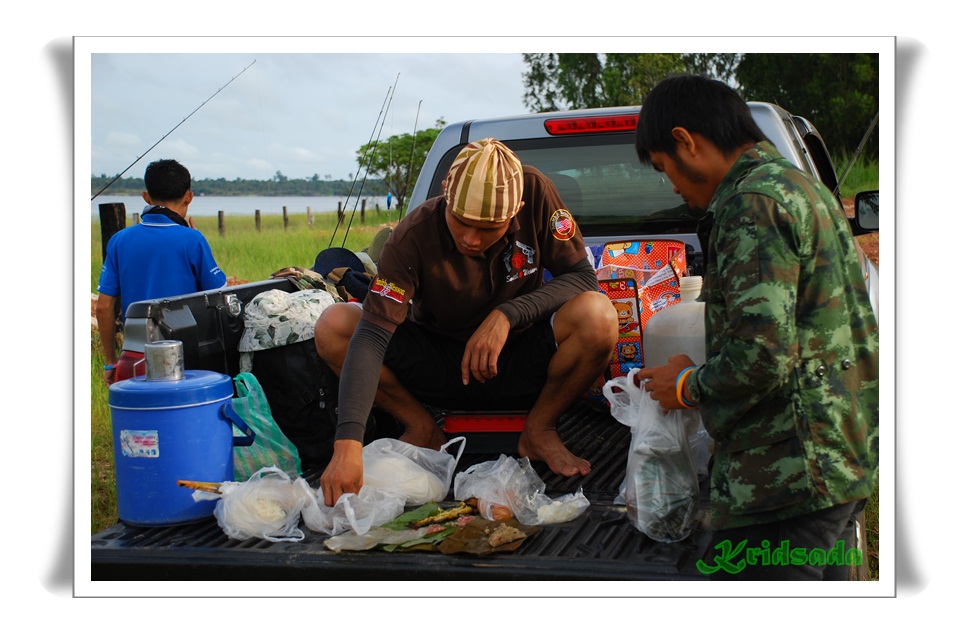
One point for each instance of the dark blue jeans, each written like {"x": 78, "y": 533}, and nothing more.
{"x": 819, "y": 546}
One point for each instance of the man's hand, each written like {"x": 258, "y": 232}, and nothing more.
{"x": 661, "y": 381}
{"x": 483, "y": 348}
{"x": 345, "y": 473}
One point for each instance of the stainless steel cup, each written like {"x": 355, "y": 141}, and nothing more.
{"x": 164, "y": 361}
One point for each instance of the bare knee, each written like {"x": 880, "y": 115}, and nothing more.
{"x": 590, "y": 321}
{"x": 333, "y": 331}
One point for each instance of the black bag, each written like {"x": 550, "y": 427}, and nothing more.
{"x": 302, "y": 394}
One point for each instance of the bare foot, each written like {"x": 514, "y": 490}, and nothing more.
{"x": 544, "y": 445}
{"x": 430, "y": 438}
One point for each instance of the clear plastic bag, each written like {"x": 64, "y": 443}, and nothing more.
{"x": 660, "y": 488}
{"x": 514, "y": 484}
{"x": 396, "y": 475}
{"x": 352, "y": 512}
{"x": 419, "y": 475}
{"x": 267, "y": 506}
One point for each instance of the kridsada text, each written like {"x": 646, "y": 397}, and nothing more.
{"x": 733, "y": 559}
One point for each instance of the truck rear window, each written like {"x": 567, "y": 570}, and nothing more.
{"x": 601, "y": 180}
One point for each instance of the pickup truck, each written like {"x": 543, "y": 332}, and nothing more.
{"x": 589, "y": 155}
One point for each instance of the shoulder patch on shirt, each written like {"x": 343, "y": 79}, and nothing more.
{"x": 387, "y": 289}
{"x": 562, "y": 225}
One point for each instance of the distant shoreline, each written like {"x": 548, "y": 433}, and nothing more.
{"x": 247, "y": 205}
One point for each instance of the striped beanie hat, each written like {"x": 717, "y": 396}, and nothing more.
{"x": 485, "y": 182}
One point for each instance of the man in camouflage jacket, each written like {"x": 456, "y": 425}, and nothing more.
{"x": 789, "y": 391}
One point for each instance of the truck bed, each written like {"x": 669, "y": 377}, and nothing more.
{"x": 601, "y": 544}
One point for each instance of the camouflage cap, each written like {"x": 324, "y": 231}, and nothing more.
{"x": 485, "y": 182}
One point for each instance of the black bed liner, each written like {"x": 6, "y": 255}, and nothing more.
{"x": 601, "y": 544}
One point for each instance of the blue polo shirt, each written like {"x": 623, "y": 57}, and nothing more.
{"x": 157, "y": 258}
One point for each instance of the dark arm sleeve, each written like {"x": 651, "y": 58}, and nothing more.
{"x": 359, "y": 378}
{"x": 549, "y": 297}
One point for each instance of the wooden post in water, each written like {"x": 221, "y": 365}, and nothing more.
{"x": 286, "y": 219}
{"x": 257, "y": 220}
{"x": 340, "y": 213}
{"x": 309, "y": 217}
{"x": 222, "y": 223}
{"x": 112, "y": 221}
{"x": 135, "y": 218}
{"x": 363, "y": 207}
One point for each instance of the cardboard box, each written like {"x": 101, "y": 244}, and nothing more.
{"x": 655, "y": 265}
{"x": 641, "y": 278}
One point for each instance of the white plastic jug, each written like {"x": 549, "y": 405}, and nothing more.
{"x": 677, "y": 329}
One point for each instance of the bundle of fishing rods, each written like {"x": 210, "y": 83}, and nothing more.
{"x": 368, "y": 153}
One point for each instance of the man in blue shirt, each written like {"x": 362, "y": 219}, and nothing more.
{"x": 160, "y": 257}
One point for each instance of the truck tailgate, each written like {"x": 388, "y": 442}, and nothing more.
{"x": 601, "y": 544}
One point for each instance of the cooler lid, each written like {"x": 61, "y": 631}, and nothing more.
{"x": 197, "y": 388}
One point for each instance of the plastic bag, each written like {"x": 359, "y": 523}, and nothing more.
{"x": 271, "y": 447}
{"x": 514, "y": 484}
{"x": 419, "y": 475}
{"x": 357, "y": 512}
{"x": 268, "y": 505}
{"x": 396, "y": 474}
{"x": 660, "y": 487}
{"x": 700, "y": 449}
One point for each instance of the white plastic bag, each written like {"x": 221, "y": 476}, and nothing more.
{"x": 660, "y": 488}
{"x": 396, "y": 474}
{"x": 419, "y": 475}
{"x": 267, "y": 506}
{"x": 356, "y": 512}
{"x": 515, "y": 485}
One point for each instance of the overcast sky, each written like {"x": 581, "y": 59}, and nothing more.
{"x": 297, "y": 113}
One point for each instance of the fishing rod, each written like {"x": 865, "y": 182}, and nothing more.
{"x": 369, "y": 160}
{"x": 170, "y": 131}
{"x": 407, "y": 178}
{"x": 858, "y": 151}
{"x": 370, "y": 142}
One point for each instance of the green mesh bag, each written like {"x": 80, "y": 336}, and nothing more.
{"x": 271, "y": 447}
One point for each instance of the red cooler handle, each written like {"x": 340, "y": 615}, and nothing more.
{"x": 233, "y": 418}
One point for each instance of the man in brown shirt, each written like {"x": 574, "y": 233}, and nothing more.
{"x": 458, "y": 316}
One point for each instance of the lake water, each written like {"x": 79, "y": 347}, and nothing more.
{"x": 247, "y": 205}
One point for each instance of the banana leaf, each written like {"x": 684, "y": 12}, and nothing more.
{"x": 472, "y": 538}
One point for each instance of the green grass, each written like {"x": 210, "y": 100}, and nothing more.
{"x": 863, "y": 176}
{"x": 104, "y": 497}
{"x": 250, "y": 255}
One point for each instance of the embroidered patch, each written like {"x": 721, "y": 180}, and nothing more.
{"x": 387, "y": 289}
{"x": 562, "y": 225}
{"x": 519, "y": 260}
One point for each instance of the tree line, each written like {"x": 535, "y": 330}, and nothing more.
{"x": 279, "y": 185}
{"x": 838, "y": 92}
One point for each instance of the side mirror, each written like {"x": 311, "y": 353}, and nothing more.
{"x": 866, "y": 212}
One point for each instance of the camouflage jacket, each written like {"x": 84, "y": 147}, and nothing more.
{"x": 790, "y": 389}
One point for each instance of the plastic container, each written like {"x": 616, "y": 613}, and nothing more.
{"x": 677, "y": 329}
{"x": 166, "y": 430}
